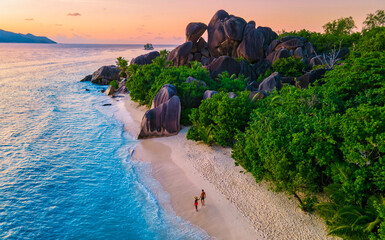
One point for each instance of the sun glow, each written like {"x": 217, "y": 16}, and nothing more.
{"x": 156, "y": 21}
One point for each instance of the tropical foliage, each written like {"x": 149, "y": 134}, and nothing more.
{"x": 329, "y": 138}
{"x": 218, "y": 119}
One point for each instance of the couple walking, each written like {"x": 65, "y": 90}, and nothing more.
{"x": 202, "y": 197}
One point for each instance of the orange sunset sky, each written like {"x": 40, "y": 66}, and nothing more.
{"x": 164, "y": 21}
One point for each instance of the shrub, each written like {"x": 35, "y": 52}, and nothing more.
{"x": 290, "y": 67}
{"x": 218, "y": 119}
{"x": 115, "y": 84}
{"x": 324, "y": 42}
{"x": 231, "y": 83}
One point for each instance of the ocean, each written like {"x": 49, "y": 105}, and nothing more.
{"x": 65, "y": 167}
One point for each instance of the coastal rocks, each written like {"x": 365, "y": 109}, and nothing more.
{"x": 209, "y": 94}
{"x": 251, "y": 48}
{"x": 164, "y": 94}
{"x": 268, "y": 34}
{"x": 105, "y": 75}
{"x": 180, "y": 55}
{"x": 221, "y": 64}
{"x": 270, "y": 83}
{"x": 86, "y": 78}
{"x": 122, "y": 87}
{"x": 110, "y": 90}
{"x": 276, "y": 55}
{"x": 164, "y": 120}
{"x": 288, "y": 46}
{"x": 255, "y": 42}
{"x": 225, "y": 32}
{"x": 194, "y": 31}
{"x": 247, "y": 70}
{"x": 145, "y": 58}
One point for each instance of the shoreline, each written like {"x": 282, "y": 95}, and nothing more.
{"x": 236, "y": 206}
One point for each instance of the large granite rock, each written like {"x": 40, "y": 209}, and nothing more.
{"x": 110, "y": 90}
{"x": 221, "y": 64}
{"x": 251, "y": 48}
{"x": 145, "y": 58}
{"x": 181, "y": 54}
{"x": 248, "y": 71}
{"x": 194, "y": 31}
{"x": 234, "y": 27}
{"x": 278, "y": 54}
{"x": 225, "y": 32}
{"x": 268, "y": 34}
{"x": 164, "y": 120}
{"x": 270, "y": 83}
{"x": 105, "y": 75}
{"x": 163, "y": 95}
{"x": 122, "y": 87}
{"x": 292, "y": 42}
{"x": 216, "y": 32}
{"x": 261, "y": 67}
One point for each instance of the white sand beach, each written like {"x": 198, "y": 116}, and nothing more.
{"x": 236, "y": 206}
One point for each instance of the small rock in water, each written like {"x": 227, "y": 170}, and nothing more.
{"x": 107, "y": 104}
{"x": 87, "y": 89}
{"x": 103, "y": 90}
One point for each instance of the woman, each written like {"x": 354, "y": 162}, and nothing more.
{"x": 196, "y": 204}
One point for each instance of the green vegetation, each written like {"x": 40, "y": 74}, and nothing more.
{"x": 122, "y": 64}
{"x": 374, "y": 20}
{"x": 325, "y": 42}
{"x": 145, "y": 81}
{"x": 231, "y": 83}
{"x": 115, "y": 84}
{"x": 327, "y": 139}
{"x": 218, "y": 119}
{"x": 340, "y": 26}
{"x": 290, "y": 67}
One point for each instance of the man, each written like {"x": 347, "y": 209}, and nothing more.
{"x": 203, "y": 196}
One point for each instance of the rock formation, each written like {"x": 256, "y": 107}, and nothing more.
{"x": 105, "y": 75}
{"x": 270, "y": 83}
{"x": 181, "y": 55}
{"x": 164, "y": 120}
{"x": 221, "y": 64}
{"x": 145, "y": 58}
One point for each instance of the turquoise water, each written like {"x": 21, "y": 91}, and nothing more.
{"x": 65, "y": 169}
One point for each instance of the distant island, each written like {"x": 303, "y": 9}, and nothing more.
{"x": 10, "y": 37}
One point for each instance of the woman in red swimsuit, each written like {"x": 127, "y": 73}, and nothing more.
{"x": 196, "y": 204}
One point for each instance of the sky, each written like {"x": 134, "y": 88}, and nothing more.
{"x": 165, "y": 21}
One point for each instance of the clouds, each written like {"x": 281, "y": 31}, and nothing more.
{"x": 29, "y": 19}
{"x": 74, "y": 14}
